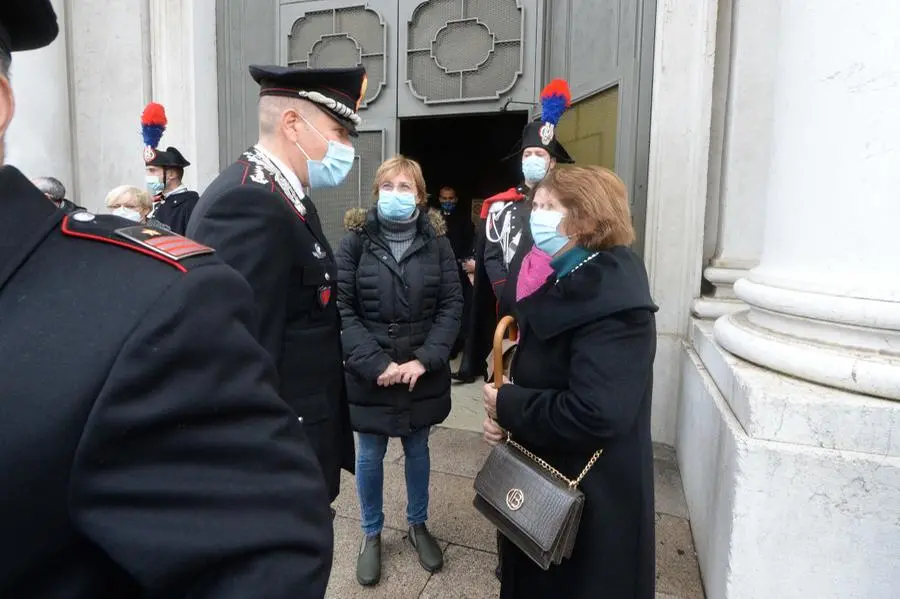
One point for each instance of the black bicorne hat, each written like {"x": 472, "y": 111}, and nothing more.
{"x": 170, "y": 158}
{"x": 555, "y": 100}
{"x": 534, "y": 136}
{"x": 338, "y": 92}
{"x": 26, "y": 24}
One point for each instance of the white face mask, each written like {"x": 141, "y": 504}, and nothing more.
{"x": 128, "y": 213}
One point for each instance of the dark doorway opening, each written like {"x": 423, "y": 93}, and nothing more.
{"x": 475, "y": 154}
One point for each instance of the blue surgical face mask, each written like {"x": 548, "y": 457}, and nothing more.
{"x": 448, "y": 206}
{"x": 534, "y": 168}
{"x": 155, "y": 185}
{"x": 333, "y": 168}
{"x": 544, "y": 231}
{"x": 394, "y": 205}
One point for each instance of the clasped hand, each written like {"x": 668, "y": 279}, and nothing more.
{"x": 407, "y": 373}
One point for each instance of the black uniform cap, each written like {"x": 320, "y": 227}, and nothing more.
{"x": 171, "y": 158}
{"x": 336, "y": 91}
{"x": 26, "y": 24}
{"x": 532, "y": 138}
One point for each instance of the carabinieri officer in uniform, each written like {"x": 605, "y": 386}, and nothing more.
{"x": 259, "y": 218}
{"x": 144, "y": 450}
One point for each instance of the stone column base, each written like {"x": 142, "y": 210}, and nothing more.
{"x": 722, "y": 300}
{"x": 792, "y": 487}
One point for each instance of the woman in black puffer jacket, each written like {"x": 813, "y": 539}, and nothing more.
{"x": 400, "y": 303}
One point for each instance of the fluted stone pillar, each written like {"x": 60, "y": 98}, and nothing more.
{"x": 825, "y": 298}
{"x": 739, "y": 169}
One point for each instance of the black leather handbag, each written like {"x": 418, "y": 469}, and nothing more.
{"x": 530, "y": 502}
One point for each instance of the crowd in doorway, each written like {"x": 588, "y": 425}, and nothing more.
{"x": 238, "y": 362}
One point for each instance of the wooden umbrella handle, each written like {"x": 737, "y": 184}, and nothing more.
{"x": 506, "y": 325}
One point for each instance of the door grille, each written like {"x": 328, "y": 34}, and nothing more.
{"x": 464, "y": 50}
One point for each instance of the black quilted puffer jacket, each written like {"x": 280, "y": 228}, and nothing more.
{"x": 397, "y": 312}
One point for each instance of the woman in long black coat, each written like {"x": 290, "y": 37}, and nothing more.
{"x": 400, "y": 303}
{"x": 582, "y": 382}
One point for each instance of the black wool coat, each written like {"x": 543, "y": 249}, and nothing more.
{"x": 286, "y": 259}
{"x": 582, "y": 381}
{"x": 175, "y": 211}
{"x": 144, "y": 451}
{"x": 397, "y": 312}
{"x": 481, "y": 319}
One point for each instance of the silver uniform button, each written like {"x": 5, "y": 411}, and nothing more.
{"x": 83, "y": 217}
{"x": 327, "y": 277}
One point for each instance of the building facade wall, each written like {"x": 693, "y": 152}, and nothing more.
{"x": 79, "y": 101}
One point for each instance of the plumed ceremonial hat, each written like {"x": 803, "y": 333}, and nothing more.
{"x": 153, "y": 125}
{"x": 555, "y": 100}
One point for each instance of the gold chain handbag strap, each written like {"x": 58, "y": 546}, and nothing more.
{"x": 546, "y": 466}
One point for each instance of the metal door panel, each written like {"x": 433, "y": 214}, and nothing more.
{"x": 340, "y": 33}
{"x": 467, "y": 56}
{"x": 243, "y": 37}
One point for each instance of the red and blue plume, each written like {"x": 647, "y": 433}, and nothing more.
{"x": 153, "y": 124}
{"x": 555, "y": 99}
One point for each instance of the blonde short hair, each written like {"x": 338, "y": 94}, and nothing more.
{"x": 145, "y": 202}
{"x": 596, "y": 200}
{"x": 406, "y": 166}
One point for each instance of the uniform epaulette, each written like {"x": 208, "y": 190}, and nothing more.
{"x": 150, "y": 240}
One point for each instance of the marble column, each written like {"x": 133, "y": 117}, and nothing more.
{"x": 184, "y": 80}
{"x": 39, "y": 140}
{"x": 739, "y": 170}
{"x": 824, "y": 302}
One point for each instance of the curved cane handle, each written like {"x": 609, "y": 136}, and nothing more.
{"x": 506, "y": 324}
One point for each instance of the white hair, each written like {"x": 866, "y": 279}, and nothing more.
{"x": 143, "y": 198}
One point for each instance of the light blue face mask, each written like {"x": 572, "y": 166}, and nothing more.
{"x": 544, "y": 231}
{"x": 333, "y": 168}
{"x": 394, "y": 205}
{"x": 534, "y": 168}
{"x": 155, "y": 185}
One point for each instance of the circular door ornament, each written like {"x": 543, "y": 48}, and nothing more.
{"x": 343, "y": 37}
{"x": 477, "y": 54}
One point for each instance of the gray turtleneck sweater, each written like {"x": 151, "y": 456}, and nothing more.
{"x": 399, "y": 234}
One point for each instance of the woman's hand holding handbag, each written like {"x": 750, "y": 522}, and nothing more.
{"x": 530, "y": 502}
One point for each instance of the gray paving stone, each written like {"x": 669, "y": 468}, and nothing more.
{"x": 467, "y": 407}
{"x": 669, "y": 493}
{"x": 677, "y": 572}
{"x": 457, "y": 452}
{"x": 467, "y": 574}
{"x": 451, "y": 515}
{"x": 401, "y": 575}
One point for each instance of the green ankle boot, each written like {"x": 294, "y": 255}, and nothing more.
{"x": 430, "y": 555}
{"x": 368, "y": 563}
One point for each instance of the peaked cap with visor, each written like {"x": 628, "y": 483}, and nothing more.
{"x": 338, "y": 92}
